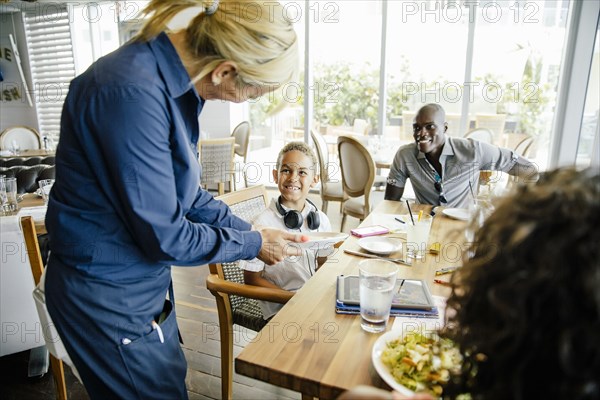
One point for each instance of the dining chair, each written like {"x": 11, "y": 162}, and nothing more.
{"x": 241, "y": 133}
{"x": 481, "y": 135}
{"x": 23, "y": 136}
{"x": 331, "y": 190}
{"x": 216, "y": 158}
{"x": 523, "y": 148}
{"x": 360, "y": 126}
{"x": 453, "y": 121}
{"x": 493, "y": 122}
{"x": 37, "y": 268}
{"x": 358, "y": 175}
{"x": 236, "y": 301}
{"x": 408, "y": 118}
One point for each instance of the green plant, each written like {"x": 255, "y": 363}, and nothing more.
{"x": 344, "y": 93}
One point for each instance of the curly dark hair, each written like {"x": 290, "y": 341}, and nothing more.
{"x": 525, "y": 309}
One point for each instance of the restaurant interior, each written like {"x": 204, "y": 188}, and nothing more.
{"x": 522, "y": 75}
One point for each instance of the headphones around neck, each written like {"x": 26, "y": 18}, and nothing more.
{"x": 293, "y": 219}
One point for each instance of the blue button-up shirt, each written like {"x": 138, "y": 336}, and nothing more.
{"x": 127, "y": 197}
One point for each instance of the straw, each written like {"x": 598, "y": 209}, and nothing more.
{"x": 472, "y": 193}
{"x": 410, "y": 213}
{"x": 420, "y": 215}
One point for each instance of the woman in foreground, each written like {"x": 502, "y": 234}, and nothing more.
{"x": 525, "y": 310}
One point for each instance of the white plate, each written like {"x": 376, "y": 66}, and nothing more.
{"x": 320, "y": 240}
{"x": 381, "y": 368}
{"x": 457, "y": 213}
{"x": 380, "y": 245}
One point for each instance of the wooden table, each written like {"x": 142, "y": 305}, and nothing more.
{"x": 33, "y": 200}
{"x": 309, "y": 348}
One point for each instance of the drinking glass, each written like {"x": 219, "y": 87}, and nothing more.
{"x": 417, "y": 236}
{"x": 377, "y": 279}
{"x": 487, "y": 182}
{"x": 15, "y": 148}
{"x": 2, "y": 193}
{"x": 479, "y": 210}
{"x": 8, "y": 192}
{"x": 45, "y": 186}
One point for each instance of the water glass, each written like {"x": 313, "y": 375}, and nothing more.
{"x": 479, "y": 210}
{"x": 417, "y": 236}
{"x": 45, "y": 186}
{"x": 2, "y": 193}
{"x": 15, "y": 148}
{"x": 377, "y": 279}
{"x": 8, "y": 192}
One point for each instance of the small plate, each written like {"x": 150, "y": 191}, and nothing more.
{"x": 320, "y": 240}
{"x": 457, "y": 213}
{"x": 380, "y": 245}
{"x": 381, "y": 368}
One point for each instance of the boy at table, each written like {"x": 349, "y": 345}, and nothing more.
{"x": 444, "y": 170}
{"x": 295, "y": 174}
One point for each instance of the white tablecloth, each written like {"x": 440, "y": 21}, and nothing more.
{"x": 21, "y": 329}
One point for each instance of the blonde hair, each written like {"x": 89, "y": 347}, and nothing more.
{"x": 256, "y": 36}
{"x": 302, "y": 148}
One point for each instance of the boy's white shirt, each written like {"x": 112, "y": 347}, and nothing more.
{"x": 293, "y": 272}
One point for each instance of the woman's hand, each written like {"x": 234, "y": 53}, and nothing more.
{"x": 275, "y": 245}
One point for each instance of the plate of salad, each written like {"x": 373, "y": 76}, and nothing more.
{"x": 415, "y": 362}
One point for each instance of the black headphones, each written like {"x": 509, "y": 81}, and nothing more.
{"x": 293, "y": 219}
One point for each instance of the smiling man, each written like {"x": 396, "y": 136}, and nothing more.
{"x": 441, "y": 168}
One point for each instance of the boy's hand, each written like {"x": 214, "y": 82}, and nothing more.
{"x": 275, "y": 245}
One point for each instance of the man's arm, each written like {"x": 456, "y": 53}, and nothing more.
{"x": 393, "y": 192}
{"x": 525, "y": 170}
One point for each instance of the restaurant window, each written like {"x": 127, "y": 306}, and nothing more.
{"x": 50, "y": 53}
{"x": 505, "y": 78}
{"x": 588, "y": 148}
{"x": 63, "y": 40}
{"x": 425, "y": 63}
{"x": 345, "y": 71}
{"x": 95, "y": 28}
{"x": 517, "y": 55}
{"x": 278, "y": 116}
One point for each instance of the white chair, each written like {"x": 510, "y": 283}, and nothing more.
{"x": 481, "y": 135}
{"x": 216, "y": 158}
{"x": 358, "y": 176}
{"x": 360, "y": 126}
{"x": 330, "y": 190}
{"x": 453, "y": 121}
{"x": 523, "y": 148}
{"x": 241, "y": 133}
{"x": 24, "y": 137}
{"x": 493, "y": 122}
{"x": 408, "y": 118}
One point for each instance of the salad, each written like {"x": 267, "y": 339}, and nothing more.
{"x": 422, "y": 363}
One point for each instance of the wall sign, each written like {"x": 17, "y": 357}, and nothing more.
{"x": 13, "y": 87}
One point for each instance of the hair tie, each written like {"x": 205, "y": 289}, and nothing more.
{"x": 210, "y": 10}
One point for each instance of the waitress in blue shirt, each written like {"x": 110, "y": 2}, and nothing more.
{"x": 127, "y": 205}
